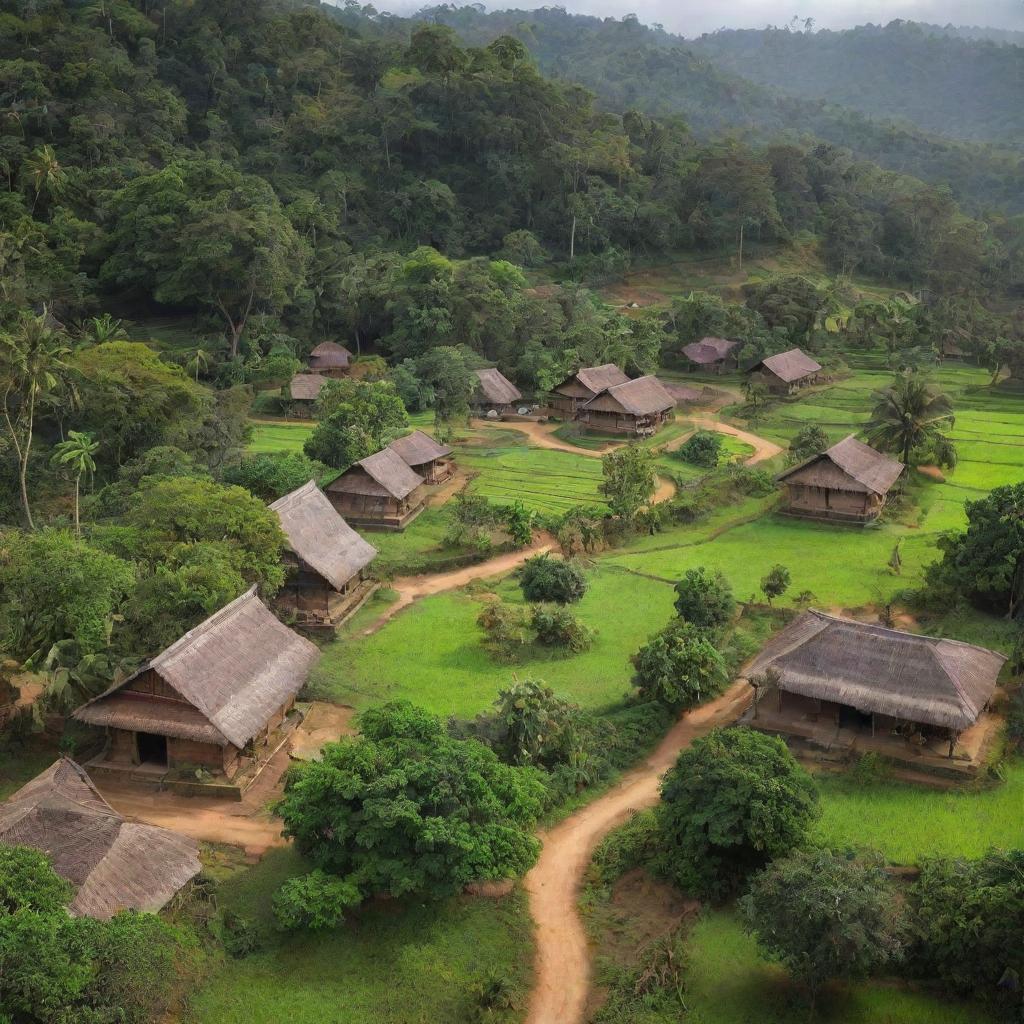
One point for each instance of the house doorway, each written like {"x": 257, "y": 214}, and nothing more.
{"x": 152, "y": 748}
{"x": 851, "y": 718}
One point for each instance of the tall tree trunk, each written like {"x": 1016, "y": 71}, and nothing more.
{"x": 78, "y": 522}
{"x": 572, "y": 239}
{"x": 23, "y": 455}
{"x": 741, "y": 247}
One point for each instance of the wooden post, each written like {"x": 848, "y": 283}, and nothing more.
{"x": 872, "y": 725}
{"x": 953, "y": 737}
{"x": 779, "y": 708}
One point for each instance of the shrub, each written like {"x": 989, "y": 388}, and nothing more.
{"x": 535, "y": 724}
{"x": 704, "y": 448}
{"x": 807, "y": 442}
{"x": 704, "y": 599}
{"x": 733, "y": 801}
{"x": 543, "y": 578}
{"x": 823, "y": 916}
{"x": 679, "y": 667}
{"x": 556, "y": 626}
{"x": 630, "y": 846}
{"x": 314, "y": 901}
{"x": 271, "y": 475}
{"x": 506, "y": 629}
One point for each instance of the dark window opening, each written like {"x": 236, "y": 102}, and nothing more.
{"x": 152, "y": 748}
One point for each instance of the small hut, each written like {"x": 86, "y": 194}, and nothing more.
{"x": 580, "y": 387}
{"x": 495, "y": 394}
{"x": 786, "y": 372}
{"x": 325, "y": 558}
{"x": 112, "y": 864}
{"x": 380, "y": 491}
{"x": 712, "y": 355}
{"x": 330, "y": 359}
{"x": 303, "y": 391}
{"x": 870, "y": 678}
{"x": 636, "y": 408}
{"x": 848, "y": 483}
{"x": 216, "y": 698}
{"x": 422, "y": 454}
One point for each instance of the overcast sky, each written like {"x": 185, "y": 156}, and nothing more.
{"x": 692, "y": 17}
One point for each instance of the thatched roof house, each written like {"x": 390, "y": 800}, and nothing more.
{"x": 304, "y": 390}
{"x": 330, "y": 359}
{"x": 113, "y": 864}
{"x": 494, "y": 393}
{"x": 378, "y": 491}
{"x": 849, "y": 482}
{"x": 635, "y": 407}
{"x": 885, "y": 675}
{"x": 583, "y": 385}
{"x": 325, "y": 557}
{"x": 421, "y": 453}
{"x": 223, "y": 689}
{"x": 787, "y": 371}
{"x": 711, "y": 353}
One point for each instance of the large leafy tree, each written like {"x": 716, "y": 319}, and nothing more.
{"x": 679, "y": 666}
{"x": 704, "y": 598}
{"x": 825, "y": 916}
{"x": 200, "y": 232}
{"x": 733, "y": 801}
{"x": 629, "y": 479}
{"x": 356, "y": 419}
{"x": 909, "y": 416}
{"x": 406, "y": 809}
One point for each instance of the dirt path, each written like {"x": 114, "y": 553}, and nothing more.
{"x": 412, "y": 588}
{"x": 543, "y": 436}
{"x": 562, "y": 962}
{"x": 763, "y": 448}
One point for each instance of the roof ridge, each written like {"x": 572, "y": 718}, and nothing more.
{"x": 204, "y": 627}
{"x": 286, "y": 499}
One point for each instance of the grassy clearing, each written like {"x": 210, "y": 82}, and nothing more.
{"x": 907, "y": 823}
{"x": 400, "y": 962}
{"x": 729, "y": 983}
{"x": 271, "y": 436}
{"x": 431, "y": 653}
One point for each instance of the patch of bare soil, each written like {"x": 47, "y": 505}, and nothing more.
{"x": 324, "y": 723}
{"x": 933, "y": 473}
{"x": 562, "y": 962}
{"x": 543, "y": 436}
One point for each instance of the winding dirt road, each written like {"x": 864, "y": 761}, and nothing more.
{"x": 562, "y": 962}
{"x": 763, "y": 448}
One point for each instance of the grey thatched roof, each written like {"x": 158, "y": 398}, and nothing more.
{"x": 320, "y": 537}
{"x": 708, "y": 350}
{"x": 641, "y": 397}
{"x": 329, "y": 355}
{"x": 236, "y": 669}
{"x": 849, "y": 465}
{"x": 884, "y": 671}
{"x": 385, "y": 472}
{"x": 598, "y": 378}
{"x": 306, "y": 387}
{"x": 494, "y": 388}
{"x": 417, "y": 449}
{"x": 113, "y": 864}
{"x": 789, "y": 366}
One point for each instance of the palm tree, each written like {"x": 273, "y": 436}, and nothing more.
{"x": 908, "y": 414}
{"x": 32, "y": 365}
{"x": 198, "y": 360}
{"x": 45, "y": 172}
{"x": 77, "y": 454}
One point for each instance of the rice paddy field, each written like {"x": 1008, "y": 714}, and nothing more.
{"x": 270, "y": 436}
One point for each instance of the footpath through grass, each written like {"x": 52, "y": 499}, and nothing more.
{"x": 395, "y": 962}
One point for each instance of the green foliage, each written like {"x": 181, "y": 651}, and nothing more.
{"x": 909, "y": 416}
{"x": 807, "y": 442}
{"x": 704, "y": 599}
{"x": 271, "y": 475}
{"x": 824, "y": 916}
{"x": 407, "y": 810}
{"x": 356, "y": 419}
{"x": 629, "y": 479}
{"x": 314, "y": 901}
{"x": 506, "y": 628}
{"x": 704, "y": 448}
{"x": 734, "y": 800}
{"x": 775, "y": 583}
{"x": 679, "y": 667}
{"x": 53, "y": 587}
{"x": 543, "y": 578}
{"x": 29, "y": 883}
{"x": 537, "y": 727}
{"x": 448, "y": 372}
{"x": 556, "y": 626}
{"x": 966, "y": 915}
{"x": 632, "y": 845}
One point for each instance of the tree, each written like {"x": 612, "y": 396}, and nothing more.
{"x": 33, "y": 364}
{"x": 271, "y": 475}
{"x": 909, "y": 415}
{"x": 776, "y": 583}
{"x": 985, "y": 563}
{"x": 824, "y": 916}
{"x": 704, "y": 599}
{"x": 76, "y": 453}
{"x": 406, "y": 809}
{"x": 45, "y": 174}
{"x": 536, "y": 725}
{"x": 356, "y": 419}
{"x": 678, "y": 667}
{"x": 543, "y": 578}
{"x": 807, "y": 442}
{"x": 703, "y": 448}
{"x": 314, "y": 901}
{"x": 629, "y": 480}
{"x": 756, "y": 397}
{"x": 734, "y": 800}
{"x": 449, "y": 375}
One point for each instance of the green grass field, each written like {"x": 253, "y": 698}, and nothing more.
{"x": 402, "y": 962}
{"x": 279, "y": 436}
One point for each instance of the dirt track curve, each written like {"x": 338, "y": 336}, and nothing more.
{"x": 562, "y": 962}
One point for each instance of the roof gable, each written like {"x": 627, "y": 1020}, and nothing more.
{"x": 418, "y": 448}
{"x": 708, "y": 350}
{"x": 389, "y": 470}
{"x": 869, "y": 469}
{"x": 598, "y": 378}
{"x": 306, "y": 387}
{"x": 495, "y": 388}
{"x": 641, "y": 397}
{"x": 321, "y": 537}
{"x": 790, "y": 366}
{"x": 329, "y": 354}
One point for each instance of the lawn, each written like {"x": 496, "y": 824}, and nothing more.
{"x": 279, "y": 435}
{"x": 431, "y": 653}
{"x": 907, "y": 822}
{"x": 402, "y": 962}
{"x": 729, "y": 983}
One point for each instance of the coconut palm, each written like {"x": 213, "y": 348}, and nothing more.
{"x": 46, "y": 173}
{"x": 198, "y": 360}
{"x": 908, "y": 415}
{"x": 76, "y": 453}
